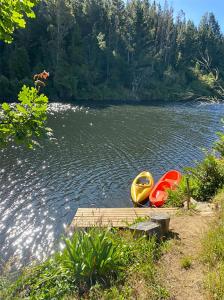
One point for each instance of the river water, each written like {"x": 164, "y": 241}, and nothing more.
{"x": 96, "y": 153}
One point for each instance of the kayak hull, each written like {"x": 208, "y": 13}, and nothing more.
{"x": 173, "y": 177}
{"x": 159, "y": 194}
{"x": 140, "y": 192}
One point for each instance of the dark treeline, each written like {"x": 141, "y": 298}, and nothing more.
{"x": 112, "y": 49}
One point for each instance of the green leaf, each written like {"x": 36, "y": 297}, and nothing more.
{"x": 13, "y": 15}
{"x": 25, "y": 123}
{"x": 5, "y": 106}
{"x": 21, "y": 109}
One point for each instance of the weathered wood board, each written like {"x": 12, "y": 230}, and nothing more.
{"x": 114, "y": 217}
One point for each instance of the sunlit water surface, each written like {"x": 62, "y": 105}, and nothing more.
{"x": 97, "y": 153}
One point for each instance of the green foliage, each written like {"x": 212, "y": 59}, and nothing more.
{"x": 100, "y": 263}
{"x": 186, "y": 262}
{"x": 213, "y": 253}
{"x": 46, "y": 281}
{"x": 13, "y": 15}
{"x": 177, "y": 197}
{"x": 87, "y": 257}
{"x": 214, "y": 244}
{"x": 119, "y": 49}
{"x": 91, "y": 256}
{"x": 206, "y": 178}
{"x": 208, "y": 78}
{"x": 139, "y": 257}
{"x": 215, "y": 282}
{"x": 219, "y": 145}
{"x": 139, "y": 220}
{"x": 24, "y": 122}
{"x": 218, "y": 199}
{"x": 115, "y": 292}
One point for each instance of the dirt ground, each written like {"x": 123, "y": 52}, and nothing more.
{"x": 185, "y": 284}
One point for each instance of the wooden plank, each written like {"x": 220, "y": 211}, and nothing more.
{"x": 125, "y": 209}
{"x": 104, "y": 221}
{"x": 114, "y": 217}
{"x": 109, "y": 218}
{"x": 109, "y": 211}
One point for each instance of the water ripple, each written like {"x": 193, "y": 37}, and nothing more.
{"x": 98, "y": 153}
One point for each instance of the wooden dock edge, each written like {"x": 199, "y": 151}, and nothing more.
{"x": 113, "y": 217}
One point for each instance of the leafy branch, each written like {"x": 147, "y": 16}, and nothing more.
{"x": 12, "y": 16}
{"x": 25, "y": 122}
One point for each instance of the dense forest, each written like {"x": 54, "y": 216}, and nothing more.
{"x": 113, "y": 49}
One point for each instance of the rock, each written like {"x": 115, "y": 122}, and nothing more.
{"x": 146, "y": 228}
{"x": 204, "y": 208}
{"x": 192, "y": 202}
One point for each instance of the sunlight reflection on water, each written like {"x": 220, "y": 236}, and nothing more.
{"x": 99, "y": 151}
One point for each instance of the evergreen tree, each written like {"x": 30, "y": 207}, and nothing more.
{"x": 113, "y": 49}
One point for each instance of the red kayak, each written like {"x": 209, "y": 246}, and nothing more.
{"x": 168, "y": 181}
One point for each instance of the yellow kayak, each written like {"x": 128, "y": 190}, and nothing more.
{"x": 141, "y": 187}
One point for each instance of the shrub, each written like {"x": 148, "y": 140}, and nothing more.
{"x": 206, "y": 178}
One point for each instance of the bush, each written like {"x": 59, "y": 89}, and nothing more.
{"x": 177, "y": 197}
{"x": 206, "y": 178}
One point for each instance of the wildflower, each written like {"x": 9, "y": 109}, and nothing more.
{"x": 43, "y": 75}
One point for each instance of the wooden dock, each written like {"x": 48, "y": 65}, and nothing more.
{"x": 113, "y": 217}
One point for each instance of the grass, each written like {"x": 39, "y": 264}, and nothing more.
{"x": 138, "y": 220}
{"x": 215, "y": 282}
{"x": 186, "y": 262}
{"x": 97, "y": 264}
{"x": 213, "y": 242}
{"x": 213, "y": 252}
